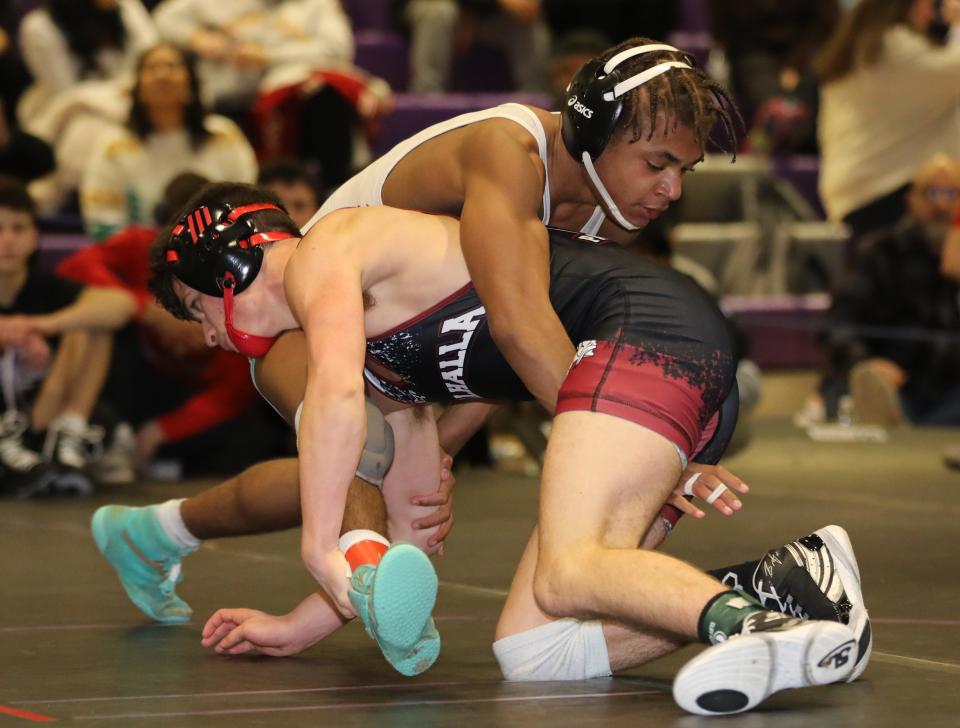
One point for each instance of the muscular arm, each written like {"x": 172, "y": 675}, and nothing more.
{"x": 324, "y": 290}
{"x": 508, "y": 255}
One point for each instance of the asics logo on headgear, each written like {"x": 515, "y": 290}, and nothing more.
{"x": 580, "y": 108}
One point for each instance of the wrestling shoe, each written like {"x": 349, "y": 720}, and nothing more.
{"x": 772, "y": 652}
{"x": 145, "y": 559}
{"x": 395, "y": 600}
{"x": 817, "y": 577}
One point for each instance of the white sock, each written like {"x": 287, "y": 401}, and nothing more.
{"x": 168, "y": 514}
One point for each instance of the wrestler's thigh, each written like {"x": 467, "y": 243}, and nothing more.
{"x": 604, "y": 481}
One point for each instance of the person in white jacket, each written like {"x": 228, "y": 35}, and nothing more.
{"x": 81, "y": 54}
{"x": 247, "y": 46}
{"x": 169, "y": 131}
{"x": 890, "y": 100}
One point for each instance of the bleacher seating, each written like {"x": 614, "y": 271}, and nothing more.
{"x": 782, "y": 330}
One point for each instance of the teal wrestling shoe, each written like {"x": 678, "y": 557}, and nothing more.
{"x": 145, "y": 559}
{"x": 395, "y": 601}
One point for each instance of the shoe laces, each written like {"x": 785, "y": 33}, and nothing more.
{"x": 173, "y": 578}
{"x": 76, "y": 446}
{"x": 12, "y": 451}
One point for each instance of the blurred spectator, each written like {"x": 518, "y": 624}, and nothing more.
{"x": 890, "y": 98}
{"x": 81, "y": 54}
{"x": 894, "y": 324}
{"x": 14, "y": 77}
{"x": 168, "y": 132}
{"x": 248, "y": 46}
{"x": 21, "y": 155}
{"x": 182, "y": 398}
{"x": 769, "y": 46}
{"x": 49, "y": 383}
{"x": 290, "y": 62}
{"x": 292, "y": 182}
{"x": 439, "y": 29}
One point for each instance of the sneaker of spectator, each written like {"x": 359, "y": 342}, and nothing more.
{"x": 117, "y": 464}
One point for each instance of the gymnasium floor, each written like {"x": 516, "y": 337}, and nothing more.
{"x": 72, "y": 648}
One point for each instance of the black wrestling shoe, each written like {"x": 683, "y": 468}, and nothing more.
{"x": 817, "y": 577}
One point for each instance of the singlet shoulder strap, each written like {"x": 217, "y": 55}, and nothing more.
{"x": 531, "y": 122}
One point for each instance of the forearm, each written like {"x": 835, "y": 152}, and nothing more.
{"x": 540, "y": 353}
{"x": 332, "y": 432}
{"x": 459, "y": 422}
{"x": 95, "y": 308}
{"x": 313, "y": 619}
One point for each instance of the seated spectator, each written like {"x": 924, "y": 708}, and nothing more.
{"x": 892, "y": 337}
{"x": 195, "y": 394}
{"x": 440, "y": 28}
{"x": 296, "y": 57}
{"x": 21, "y": 155}
{"x": 769, "y": 46}
{"x": 81, "y": 54}
{"x": 290, "y": 180}
{"x": 168, "y": 132}
{"x": 890, "y": 97}
{"x": 50, "y": 384}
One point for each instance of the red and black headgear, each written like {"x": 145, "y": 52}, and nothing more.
{"x": 215, "y": 248}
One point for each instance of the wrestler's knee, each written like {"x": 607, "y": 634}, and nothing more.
{"x": 566, "y": 649}
{"x": 558, "y": 581}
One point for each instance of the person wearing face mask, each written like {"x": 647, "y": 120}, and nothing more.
{"x": 892, "y": 326}
{"x": 168, "y": 132}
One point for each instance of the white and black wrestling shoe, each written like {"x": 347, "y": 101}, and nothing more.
{"x": 772, "y": 652}
{"x": 817, "y": 577}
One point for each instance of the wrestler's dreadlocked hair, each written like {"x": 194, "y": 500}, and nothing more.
{"x": 679, "y": 96}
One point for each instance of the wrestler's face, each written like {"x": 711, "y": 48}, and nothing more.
{"x": 208, "y": 311}
{"x": 18, "y": 240}
{"x": 645, "y": 176}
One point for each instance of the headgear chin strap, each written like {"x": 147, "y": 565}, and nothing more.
{"x": 251, "y": 346}
{"x": 594, "y": 105}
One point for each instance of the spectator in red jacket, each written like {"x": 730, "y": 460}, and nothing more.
{"x": 164, "y": 380}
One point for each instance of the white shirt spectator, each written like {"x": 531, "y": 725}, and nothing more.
{"x": 293, "y": 36}
{"x": 878, "y": 124}
{"x": 126, "y": 177}
{"x": 56, "y": 70}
